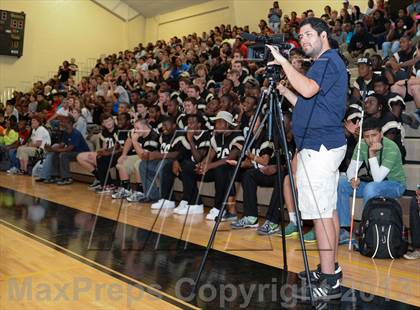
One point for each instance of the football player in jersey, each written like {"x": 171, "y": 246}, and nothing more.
{"x": 193, "y": 147}
{"x": 226, "y": 144}
{"x": 394, "y": 101}
{"x": 190, "y": 107}
{"x": 159, "y": 163}
{"x": 108, "y": 159}
{"x": 141, "y": 140}
{"x": 155, "y": 118}
{"x": 106, "y": 143}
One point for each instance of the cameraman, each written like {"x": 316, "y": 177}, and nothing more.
{"x": 320, "y": 105}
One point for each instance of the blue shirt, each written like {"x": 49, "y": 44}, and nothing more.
{"x": 76, "y": 139}
{"x": 318, "y": 120}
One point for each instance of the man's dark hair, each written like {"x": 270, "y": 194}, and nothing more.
{"x": 155, "y": 107}
{"x": 380, "y": 79}
{"x": 126, "y": 115}
{"x": 169, "y": 119}
{"x": 372, "y": 123}
{"x": 192, "y": 100}
{"x": 104, "y": 116}
{"x": 199, "y": 118}
{"x": 318, "y": 24}
{"x": 381, "y": 101}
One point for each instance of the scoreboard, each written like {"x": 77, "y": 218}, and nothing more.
{"x": 12, "y": 29}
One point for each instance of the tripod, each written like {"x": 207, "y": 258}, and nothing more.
{"x": 275, "y": 116}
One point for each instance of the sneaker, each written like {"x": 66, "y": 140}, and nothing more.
{"x": 345, "y": 237}
{"x": 191, "y": 209}
{"x": 309, "y": 237}
{"x": 21, "y": 172}
{"x": 183, "y": 204}
{"x": 212, "y": 214}
{"x": 327, "y": 289}
{"x": 95, "y": 184}
{"x": 102, "y": 190}
{"x": 227, "y": 216}
{"x": 40, "y": 180}
{"x": 315, "y": 275}
{"x": 245, "y": 222}
{"x": 12, "y": 170}
{"x": 268, "y": 228}
{"x": 121, "y": 193}
{"x": 290, "y": 230}
{"x": 135, "y": 197}
{"x": 412, "y": 255}
{"x": 51, "y": 181}
{"x": 163, "y": 204}
{"x": 66, "y": 181}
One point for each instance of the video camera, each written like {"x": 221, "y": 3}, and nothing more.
{"x": 260, "y": 52}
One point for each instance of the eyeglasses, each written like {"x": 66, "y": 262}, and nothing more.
{"x": 307, "y": 34}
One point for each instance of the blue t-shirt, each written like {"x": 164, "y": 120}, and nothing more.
{"x": 75, "y": 138}
{"x": 318, "y": 120}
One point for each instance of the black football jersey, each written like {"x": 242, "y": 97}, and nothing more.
{"x": 223, "y": 144}
{"x": 108, "y": 139}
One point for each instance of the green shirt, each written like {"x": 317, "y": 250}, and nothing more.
{"x": 391, "y": 159}
{"x": 9, "y": 137}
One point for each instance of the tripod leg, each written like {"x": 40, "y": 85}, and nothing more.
{"x": 280, "y": 178}
{"x": 283, "y": 142}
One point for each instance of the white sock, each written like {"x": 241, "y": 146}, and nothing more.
{"x": 292, "y": 217}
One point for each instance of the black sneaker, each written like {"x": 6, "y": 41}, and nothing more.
{"x": 327, "y": 289}
{"x": 66, "y": 181}
{"x": 40, "y": 180}
{"x": 227, "y": 216}
{"x": 315, "y": 275}
{"x": 51, "y": 181}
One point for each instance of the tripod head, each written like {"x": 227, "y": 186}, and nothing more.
{"x": 273, "y": 73}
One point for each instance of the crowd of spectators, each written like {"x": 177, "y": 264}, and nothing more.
{"x": 181, "y": 109}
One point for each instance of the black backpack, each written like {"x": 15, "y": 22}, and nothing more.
{"x": 382, "y": 229}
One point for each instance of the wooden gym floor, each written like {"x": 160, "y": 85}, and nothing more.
{"x": 56, "y": 238}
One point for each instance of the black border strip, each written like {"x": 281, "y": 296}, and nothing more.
{"x": 150, "y": 290}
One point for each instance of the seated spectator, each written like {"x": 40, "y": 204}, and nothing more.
{"x": 193, "y": 148}
{"x": 56, "y": 167}
{"x": 361, "y": 42}
{"x": 394, "y": 101}
{"x": 193, "y": 91}
{"x": 403, "y": 60}
{"x": 155, "y": 118}
{"x": 363, "y": 85}
{"x": 24, "y": 134}
{"x": 226, "y": 144}
{"x": 156, "y": 167}
{"x": 11, "y": 110}
{"x": 384, "y": 164}
{"x": 79, "y": 122}
{"x": 339, "y": 35}
{"x": 376, "y": 107}
{"x": 393, "y": 38}
{"x": 141, "y": 140}
{"x": 380, "y": 27}
{"x": 8, "y": 139}
{"x": 39, "y": 138}
{"x": 410, "y": 89}
{"x": 107, "y": 139}
{"x": 107, "y": 159}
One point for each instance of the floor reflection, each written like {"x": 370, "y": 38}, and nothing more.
{"x": 165, "y": 263}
